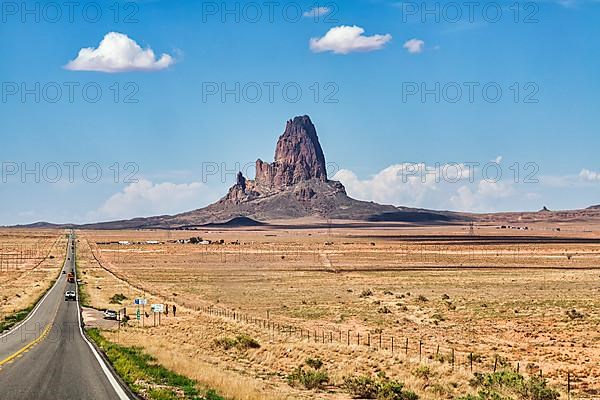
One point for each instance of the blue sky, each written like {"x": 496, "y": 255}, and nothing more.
{"x": 355, "y": 77}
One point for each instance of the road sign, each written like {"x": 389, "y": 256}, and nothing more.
{"x": 140, "y": 301}
{"x": 158, "y": 308}
{"x": 138, "y": 314}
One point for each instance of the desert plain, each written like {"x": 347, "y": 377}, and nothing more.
{"x": 427, "y": 306}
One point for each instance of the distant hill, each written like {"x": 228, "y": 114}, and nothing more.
{"x": 238, "y": 222}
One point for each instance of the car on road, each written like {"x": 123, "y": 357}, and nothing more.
{"x": 64, "y": 272}
{"x": 110, "y": 314}
{"x": 70, "y": 295}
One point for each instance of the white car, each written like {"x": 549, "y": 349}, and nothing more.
{"x": 110, "y": 314}
{"x": 70, "y": 295}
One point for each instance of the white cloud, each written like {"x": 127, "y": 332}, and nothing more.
{"x": 484, "y": 197}
{"x": 497, "y": 160}
{"x": 451, "y": 186}
{"x": 590, "y": 176}
{"x": 145, "y": 198}
{"x": 413, "y": 184}
{"x": 348, "y": 39}
{"x": 414, "y": 46}
{"x": 118, "y": 53}
{"x": 317, "y": 12}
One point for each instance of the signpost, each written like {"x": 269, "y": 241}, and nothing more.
{"x": 157, "y": 309}
{"x": 140, "y": 301}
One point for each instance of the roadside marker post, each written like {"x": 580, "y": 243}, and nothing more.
{"x": 140, "y": 301}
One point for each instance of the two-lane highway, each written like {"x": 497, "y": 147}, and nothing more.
{"x": 47, "y": 356}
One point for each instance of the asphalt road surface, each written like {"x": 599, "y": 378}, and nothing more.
{"x": 47, "y": 357}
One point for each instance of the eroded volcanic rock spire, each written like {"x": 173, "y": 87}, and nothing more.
{"x": 298, "y": 157}
{"x": 298, "y": 169}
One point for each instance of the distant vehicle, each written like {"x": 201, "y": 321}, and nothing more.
{"x": 64, "y": 272}
{"x": 71, "y": 277}
{"x": 110, "y": 314}
{"x": 70, "y": 295}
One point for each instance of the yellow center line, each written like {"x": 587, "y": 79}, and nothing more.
{"x": 39, "y": 339}
{"x": 27, "y": 347}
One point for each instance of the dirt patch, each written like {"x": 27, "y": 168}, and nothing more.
{"x": 95, "y": 319}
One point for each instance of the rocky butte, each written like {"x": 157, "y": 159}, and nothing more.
{"x": 296, "y": 185}
{"x": 299, "y": 164}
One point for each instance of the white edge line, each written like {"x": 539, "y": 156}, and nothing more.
{"x": 32, "y": 313}
{"x": 111, "y": 379}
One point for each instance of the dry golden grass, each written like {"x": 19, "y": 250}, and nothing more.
{"x": 30, "y": 262}
{"x": 495, "y": 298}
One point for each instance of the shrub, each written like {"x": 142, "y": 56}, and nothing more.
{"x": 247, "y": 342}
{"x": 226, "y": 343}
{"x": 438, "y": 317}
{"x": 309, "y": 378}
{"x": 422, "y": 299}
{"x": 314, "y": 363}
{"x": 439, "y": 390}
{"x": 117, "y": 298}
{"x": 241, "y": 342}
{"x": 506, "y": 384}
{"x": 574, "y": 314}
{"x": 422, "y": 371}
{"x": 361, "y": 387}
{"x": 394, "y": 390}
{"x": 366, "y": 293}
{"x": 383, "y": 388}
{"x": 536, "y": 389}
